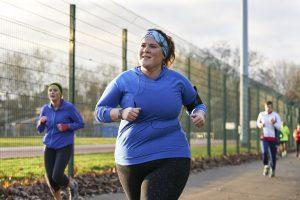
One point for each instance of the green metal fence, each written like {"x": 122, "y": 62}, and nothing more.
{"x": 38, "y": 45}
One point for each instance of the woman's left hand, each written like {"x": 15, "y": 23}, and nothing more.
{"x": 198, "y": 118}
{"x": 63, "y": 127}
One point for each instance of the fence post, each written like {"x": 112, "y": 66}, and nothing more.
{"x": 6, "y": 107}
{"x": 257, "y": 112}
{"x": 224, "y": 114}
{"x": 208, "y": 112}
{"x": 289, "y": 122}
{"x": 237, "y": 119}
{"x": 292, "y": 124}
{"x": 187, "y": 118}
{"x": 277, "y": 102}
{"x": 72, "y": 74}
{"x": 248, "y": 123}
{"x": 124, "y": 49}
{"x": 266, "y": 96}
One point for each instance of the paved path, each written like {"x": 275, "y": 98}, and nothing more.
{"x": 18, "y": 152}
{"x": 243, "y": 182}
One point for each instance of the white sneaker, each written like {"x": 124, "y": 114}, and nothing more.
{"x": 266, "y": 170}
{"x": 271, "y": 173}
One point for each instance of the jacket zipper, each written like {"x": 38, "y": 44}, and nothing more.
{"x": 53, "y": 120}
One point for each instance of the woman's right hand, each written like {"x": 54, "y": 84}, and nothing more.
{"x": 42, "y": 120}
{"x": 198, "y": 118}
{"x": 130, "y": 114}
{"x": 261, "y": 125}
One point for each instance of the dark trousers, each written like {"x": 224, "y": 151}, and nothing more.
{"x": 162, "y": 179}
{"x": 269, "y": 150}
{"x": 56, "y": 161}
{"x": 297, "y": 148}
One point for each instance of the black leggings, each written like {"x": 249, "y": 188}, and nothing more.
{"x": 56, "y": 160}
{"x": 297, "y": 148}
{"x": 162, "y": 179}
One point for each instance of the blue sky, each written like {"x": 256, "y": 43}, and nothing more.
{"x": 274, "y": 26}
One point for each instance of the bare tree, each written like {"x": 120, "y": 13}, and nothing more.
{"x": 227, "y": 58}
{"x": 294, "y": 94}
{"x": 20, "y": 79}
{"x": 283, "y": 77}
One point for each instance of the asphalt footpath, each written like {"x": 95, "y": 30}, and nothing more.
{"x": 243, "y": 182}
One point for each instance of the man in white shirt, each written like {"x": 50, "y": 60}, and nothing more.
{"x": 270, "y": 123}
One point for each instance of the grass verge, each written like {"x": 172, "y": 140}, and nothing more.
{"x": 29, "y": 168}
{"x": 38, "y": 141}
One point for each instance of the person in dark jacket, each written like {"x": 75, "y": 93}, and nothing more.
{"x": 60, "y": 118}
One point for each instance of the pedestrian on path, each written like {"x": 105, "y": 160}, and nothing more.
{"x": 270, "y": 123}
{"x": 297, "y": 139}
{"x": 152, "y": 152}
{"x": 61, "y": 119}
{"x": 284, "y": 138}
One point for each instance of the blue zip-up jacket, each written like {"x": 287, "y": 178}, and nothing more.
{"x": 66, "y": 114}
{"x": 156, "y": 133}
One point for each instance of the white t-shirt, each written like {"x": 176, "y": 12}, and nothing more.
{"x": 269, "y": 127}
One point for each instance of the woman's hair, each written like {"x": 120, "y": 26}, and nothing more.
{"x": 58, "y": 85}
{"x": 169, "y": 59}
{"x": 269, "y": 103}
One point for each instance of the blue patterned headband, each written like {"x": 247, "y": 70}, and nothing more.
{"x": 159, "y": 39}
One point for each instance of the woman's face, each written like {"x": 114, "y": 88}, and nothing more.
{"x": 54, "y": 93}
{"x": 268, "y": 108}
{"x": 150, "y": 54}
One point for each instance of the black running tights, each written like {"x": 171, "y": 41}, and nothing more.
{"x": 56, "y": 160}
{"x": 162, "y": 179}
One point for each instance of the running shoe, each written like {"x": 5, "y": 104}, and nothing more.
{"x": 266, "y": 170}
{"x": 272, "y": 173}
{"x": 73, "y": 191}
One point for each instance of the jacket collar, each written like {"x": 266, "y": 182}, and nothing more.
{"x": 62, "y": 103}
